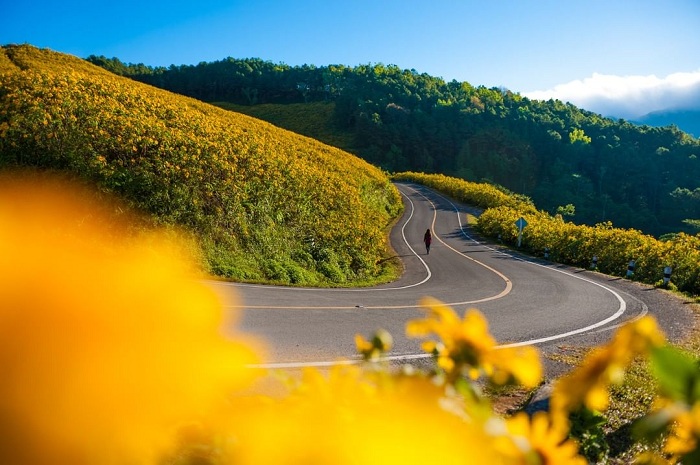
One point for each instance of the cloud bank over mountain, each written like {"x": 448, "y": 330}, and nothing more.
{"x": 629, "y": 97}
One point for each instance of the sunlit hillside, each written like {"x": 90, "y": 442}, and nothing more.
{"x": 263, "y": 203}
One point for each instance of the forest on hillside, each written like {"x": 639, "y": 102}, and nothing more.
{"x": 568, "y": 160}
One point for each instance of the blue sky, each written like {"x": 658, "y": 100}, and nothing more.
{"x": 590, "y": 52}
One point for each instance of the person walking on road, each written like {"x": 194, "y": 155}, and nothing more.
{"x": 427, "y": 238}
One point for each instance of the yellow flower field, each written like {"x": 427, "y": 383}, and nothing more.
{"x": 263, "y": 203}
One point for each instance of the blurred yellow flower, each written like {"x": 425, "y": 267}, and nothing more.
{"x": 519, "y": 364}
{"x": 537, "y": 441}
{"x": 466, "y": 348}
{"x": 372, "y": 350}
{"x": 685, "y": 432}
{"x": 350, "y": 416}
{"x": 107, "y": 340}
{"x": 588, "y": 384}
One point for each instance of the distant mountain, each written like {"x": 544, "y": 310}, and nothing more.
{"x": 686, "y": 120}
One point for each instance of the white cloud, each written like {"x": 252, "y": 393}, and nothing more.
{"x": 628, "y": 96}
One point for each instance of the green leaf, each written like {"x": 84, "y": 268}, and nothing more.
{"x": 678, "y": 374}
{"x": 650, "y": 427}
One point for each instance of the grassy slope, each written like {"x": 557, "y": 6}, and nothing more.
{"x": 264, "y": 203}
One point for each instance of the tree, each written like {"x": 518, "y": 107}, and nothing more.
{"x": 577, "y": 135}
{"x": 566, "y": 210}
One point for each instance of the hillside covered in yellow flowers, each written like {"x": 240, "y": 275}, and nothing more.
{"x": 264, "y": 204}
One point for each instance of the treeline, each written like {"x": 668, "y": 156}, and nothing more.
{"x": 557, "y": 154}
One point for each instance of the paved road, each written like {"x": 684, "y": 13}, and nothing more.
{"x": 526, "y": 301}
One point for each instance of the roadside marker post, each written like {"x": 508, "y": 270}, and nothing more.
{"x": 630, "y": 269}
{"x": 520, "y": 223}
{"x": 594, "y": 263}
{"x": 546, "y": 253}
{"x": 667, "y": 275}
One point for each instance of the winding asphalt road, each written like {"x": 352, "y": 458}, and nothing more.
{"x": 525, "y": 300}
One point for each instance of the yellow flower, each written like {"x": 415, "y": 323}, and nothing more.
{"x": 372, "y": 350}
{"x": 651, "y": 458}
{"x": 107, "y": 339}
{"x": 349, "y": 416}
{"x": 685, "y": 432}
{"x": 588, "y": 384}
{"x": 521, "y": 364}
{"x": 466, "y": 347}
{"x": 538, "y": 441}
